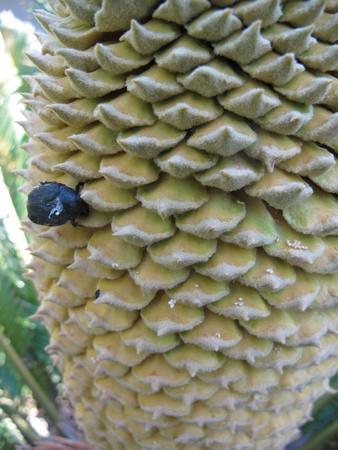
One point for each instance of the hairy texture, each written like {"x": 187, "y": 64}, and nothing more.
{"x": 196, "y": 306}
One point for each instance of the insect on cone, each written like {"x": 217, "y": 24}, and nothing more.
{"x": 195, "y": 307}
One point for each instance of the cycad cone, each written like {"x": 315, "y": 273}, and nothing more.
{"x": 196, "y": 307}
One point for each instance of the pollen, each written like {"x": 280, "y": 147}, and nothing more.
{"x": 296, "y": 244}
{"x": 172, "y": 303}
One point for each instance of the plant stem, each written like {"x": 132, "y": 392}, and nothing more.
{"x": 40, "y": 396}
{"x": 320, "y": 439}
{"x": 9, "y": 407}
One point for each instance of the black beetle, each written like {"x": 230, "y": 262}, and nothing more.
{"x": 53, "y": 204}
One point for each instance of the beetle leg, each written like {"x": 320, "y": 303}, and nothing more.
{"x": 79, "y": 186}
{"x": 75, "y": 224}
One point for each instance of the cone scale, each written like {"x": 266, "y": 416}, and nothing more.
{"x": 194, "y": 308}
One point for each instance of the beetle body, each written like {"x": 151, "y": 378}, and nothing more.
{"x": 53, "y": 204}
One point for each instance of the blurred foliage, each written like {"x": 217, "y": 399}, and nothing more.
{"x": 15, "y": 42}
{"x": 18, "y": 297}
{"x": 26, "y": 337}
{"x": 8, "y": 439}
